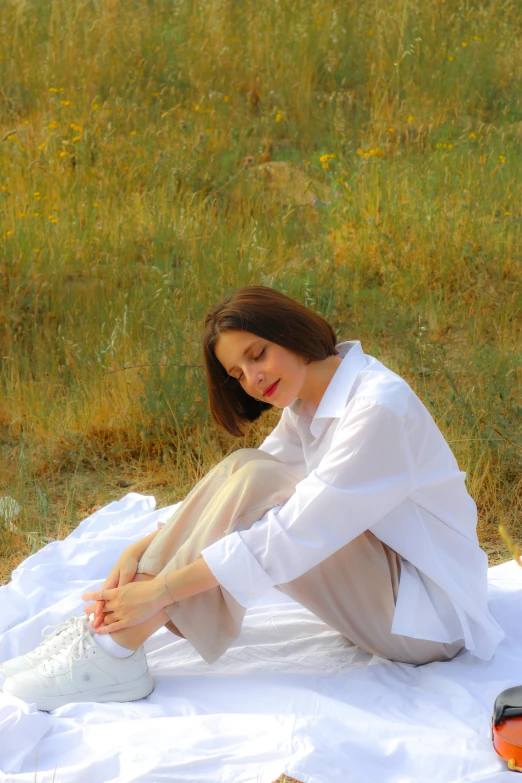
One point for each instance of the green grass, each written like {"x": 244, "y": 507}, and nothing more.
{"x": 157, "y": 155}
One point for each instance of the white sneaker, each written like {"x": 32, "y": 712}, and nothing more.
{"x": 63, "y": 634}
{"x": 82, "y": 671}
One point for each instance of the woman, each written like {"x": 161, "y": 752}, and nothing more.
{"x": 354, "y": 506}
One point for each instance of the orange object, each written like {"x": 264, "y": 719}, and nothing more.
{"x": 506, "y": 727}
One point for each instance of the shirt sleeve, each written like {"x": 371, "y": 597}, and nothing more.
{"x": 284, "y": 442}
{"x": 363, "y": 476}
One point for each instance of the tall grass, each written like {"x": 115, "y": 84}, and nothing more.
{"x": 363, "y": 158}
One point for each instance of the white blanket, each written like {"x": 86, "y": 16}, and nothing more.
{"x": 290, "y": 696}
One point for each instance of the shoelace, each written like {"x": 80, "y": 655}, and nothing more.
{"x": 51, "y": 638}
{"x": 73, "y": 651}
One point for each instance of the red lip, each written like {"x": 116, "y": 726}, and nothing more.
{"x": 271, "y": 389}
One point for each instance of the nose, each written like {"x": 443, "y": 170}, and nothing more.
{"x": 255, "y": 379}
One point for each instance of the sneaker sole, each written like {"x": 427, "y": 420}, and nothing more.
{"x": 141, "y": 688}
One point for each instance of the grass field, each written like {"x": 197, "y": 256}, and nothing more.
{"x": 363, "y": 158}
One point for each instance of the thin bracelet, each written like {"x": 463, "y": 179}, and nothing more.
{"x": 167, "y": 589}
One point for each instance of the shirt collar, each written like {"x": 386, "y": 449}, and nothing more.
{"x": 333, "y": 401}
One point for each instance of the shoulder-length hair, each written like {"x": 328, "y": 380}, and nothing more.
{"x": 273, "y": 316}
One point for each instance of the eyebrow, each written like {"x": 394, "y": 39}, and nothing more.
{"x": 247, "y": 349}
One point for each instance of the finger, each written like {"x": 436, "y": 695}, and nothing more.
{"x": 99, "y": 595}
{"x": 117, "y": 626}
{"x": 94, "y": 595}
{"x": 91, "y": 609}
{"x": 97, "y": 621}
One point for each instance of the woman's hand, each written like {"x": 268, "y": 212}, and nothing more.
{"x": 121, "y": 574}
{"x": 128, "y": 605}
{"x": 138, "y": 601}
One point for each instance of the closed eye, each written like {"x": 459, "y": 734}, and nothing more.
{"x": 256, "y": 358}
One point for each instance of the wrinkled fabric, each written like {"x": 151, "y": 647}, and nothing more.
{"x": 353, "y": 591}
{"x": 290, "y": 696}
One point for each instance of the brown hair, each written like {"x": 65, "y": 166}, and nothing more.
{"x": 269, "y": 314}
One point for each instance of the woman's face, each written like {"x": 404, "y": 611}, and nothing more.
{"x": 265, "y": 370}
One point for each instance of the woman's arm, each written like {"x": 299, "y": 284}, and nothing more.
{"x": 187, "y": 581}
{"x": 139, "y": 547}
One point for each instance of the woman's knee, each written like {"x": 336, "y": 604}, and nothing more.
{"x": 273, "y": 477}
{"x": 242, "y": 457}
{"x": 247, "y": 458}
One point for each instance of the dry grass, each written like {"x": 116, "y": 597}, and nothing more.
{"x": 364, "y": 160}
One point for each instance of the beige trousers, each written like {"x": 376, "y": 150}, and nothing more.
{"x": 353, "y": 591}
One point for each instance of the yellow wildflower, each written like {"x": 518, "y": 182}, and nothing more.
{"x": 63, "y": 154}
{"x": 450, "y": 58}
{"x": 325, "y": 165}
{"x": 8, "y": 233}
{"x": 53, "y": 125}
{"x": 75, "y": 127}
{"x": 391, "y": 130}
{"x": 464, "y": 44}
{"x": 133, "y": 133}
{"x": 95, "y": 106}
{"x": 65, "y": 103}
{"x": 196, "y": 107}
{"x": 56, "y": 89}
{"x": 53, "y": 219}
{"x": 472, "y": 135}
{"x": 226, "y": 98}
{"x": 75, "y": 138}
{"x": 37, "y": 195}
{"x": 502, "y": 158}
{"x": 41, "y": 146}
{"x": 279, "y": 115}
{"x": 410, "y": 118}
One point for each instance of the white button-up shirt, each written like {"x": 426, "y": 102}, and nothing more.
{"x": 372, "y": 458}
